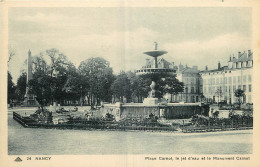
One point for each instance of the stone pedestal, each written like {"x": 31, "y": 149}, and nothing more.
{"x": 151, "y": 101}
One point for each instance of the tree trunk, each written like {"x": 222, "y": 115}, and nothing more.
{"x": 88, "y": 99}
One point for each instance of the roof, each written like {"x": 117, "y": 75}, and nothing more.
{"x": 163, "y": 60}
{"x": 243, "y": 57}
{"x": 215, "y": 70}
{"x": 189, "y": 70}
{"x": 151, "y": 61}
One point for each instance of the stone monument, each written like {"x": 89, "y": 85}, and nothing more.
{"x": 29, "y": 98}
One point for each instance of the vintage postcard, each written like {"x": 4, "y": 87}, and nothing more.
{"x": 127, "y": 83}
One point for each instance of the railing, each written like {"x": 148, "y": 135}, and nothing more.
{"x": 220, "y": 125}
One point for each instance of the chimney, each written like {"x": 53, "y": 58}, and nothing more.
{"x": 219, "y": 65}
{"x": 234, "y": 57}
{"x": 206, "y": 68}
{"x": 239, "y": 55}
{"x": 249, "y": 53}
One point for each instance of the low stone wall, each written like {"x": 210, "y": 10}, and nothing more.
{"x": 182, "y": 112}
{"x": 141, "y": 111}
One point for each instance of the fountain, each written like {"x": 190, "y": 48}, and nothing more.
{"x": 152, "y": 105}
{"x": 154, "y": 73}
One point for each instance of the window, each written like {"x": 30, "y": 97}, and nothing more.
{"x": 197, "y": 98}
{"x": 186, "y": 90}
{"x": 192, "y": 89}
{"x": 249, "y": 88}
{"x": 192, "y": 99}
{"x": 234, "y": 88}
{"x": 225, "y": 88}
{"x": 225, "y": 80}
{"x": 239, "y": 86}
{"x": 244, "y": 88}
{"x": 229, "y": 89}
{"x": 217, "y": 81}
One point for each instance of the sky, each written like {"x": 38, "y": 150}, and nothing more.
{"x": 191, "y": 35}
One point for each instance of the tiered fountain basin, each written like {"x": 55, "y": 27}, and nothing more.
{"x": 151, "y": 104}
{"x": 150, "y": 71}
{"x": 155, "y": 53}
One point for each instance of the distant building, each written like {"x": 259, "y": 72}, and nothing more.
{"x": 189, "y": 76}
{"x": 215, "y": 85}
{"x": 220, "y": 84}
{"x": 192, "y": 85}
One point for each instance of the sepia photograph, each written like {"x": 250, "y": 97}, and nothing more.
{"x": 131, "y": 80}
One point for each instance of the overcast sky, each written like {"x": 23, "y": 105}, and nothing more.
{"x": 192, "y": 36}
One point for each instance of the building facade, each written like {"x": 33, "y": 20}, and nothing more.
{"x": 192, "y": 85}
{"x": 217, "y": 85}
{"x": 220, "y": 84}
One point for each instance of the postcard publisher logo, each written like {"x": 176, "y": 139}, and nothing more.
{"x": 18, "y": 159}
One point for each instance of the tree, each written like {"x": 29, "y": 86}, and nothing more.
{"x": 121, "y": 86}
{"x": 51, "y": 70}
{"x": 202, "y": 97}
{"x": 11, "y": 88}
{"x": 239, "y": 93}
{"x": 173, "y": 86}
{"x": 58, "y": 70}
{"x": 21, "y": 86}
{"x": 165, "y": 84}
{"x": 39, "y": 86}
{"x": 75, "y": 86}
{"x": 140, "y": 85}
{"x": 11, "y": 53}
{"x": 98, "y": 76}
